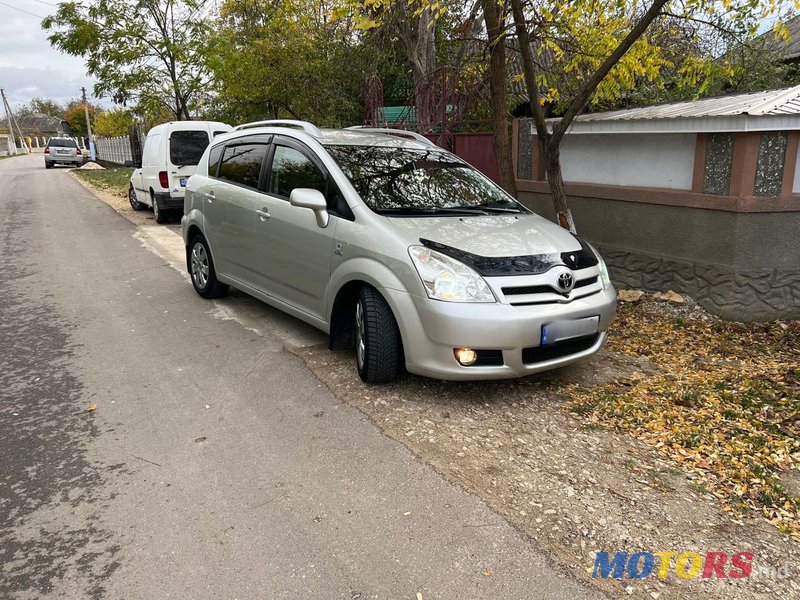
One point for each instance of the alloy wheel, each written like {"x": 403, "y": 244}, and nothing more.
{"x": 200, "y": 266}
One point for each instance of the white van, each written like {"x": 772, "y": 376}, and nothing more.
{"x": 170, "y": 156}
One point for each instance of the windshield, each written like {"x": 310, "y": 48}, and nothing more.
{"x": 403, "y": 180}
{"x": 186, "y": 147}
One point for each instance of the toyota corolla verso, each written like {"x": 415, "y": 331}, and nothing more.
{"x": 394, "y": 247}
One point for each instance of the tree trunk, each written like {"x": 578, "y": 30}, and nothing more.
{"x": 551, "y": 154}
{"x": 495, "y": 17}
{"x": 418, "y": 34}
{"x": 549, "y": 142}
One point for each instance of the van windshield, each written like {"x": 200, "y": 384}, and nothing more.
{"x": 186, "y": 147}
{"x": 409, "y": 181}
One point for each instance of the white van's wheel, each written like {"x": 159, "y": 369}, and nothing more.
{"x": 379, "y": 350}
{"x": 135, "y": 204}
{"x": 161, "y": 216}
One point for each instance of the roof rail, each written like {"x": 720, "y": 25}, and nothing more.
{"x": 304, "y": 125}
{"x": 394, "y": 132}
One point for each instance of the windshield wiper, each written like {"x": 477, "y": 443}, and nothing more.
{"x": 427, "y": 210}
{"x": 497, "y": 209}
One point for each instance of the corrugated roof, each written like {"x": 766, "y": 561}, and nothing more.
{"x": 770, "y": 102}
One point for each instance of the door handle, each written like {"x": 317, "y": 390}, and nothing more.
{"x": 263, "y": 213}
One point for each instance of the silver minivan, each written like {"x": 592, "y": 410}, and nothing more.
{"x": 394, "y": 247}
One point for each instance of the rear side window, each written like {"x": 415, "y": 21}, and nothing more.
{"x": 186, "y": 147}
{"x": 242, "y": 164}
{"x": 62, "y": 143}
{"x": 292, "y": 169}
{"x": 213, "y": 159}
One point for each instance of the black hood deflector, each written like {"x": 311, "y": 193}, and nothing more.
{"x": 502, "y": 266}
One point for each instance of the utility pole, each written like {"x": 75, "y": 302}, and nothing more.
{"x": 8, "y": 119}
{"x": 88, "y": 126}
{"x": 22, "y": 140}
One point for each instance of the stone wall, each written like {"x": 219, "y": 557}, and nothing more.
{"x": 753, "y": 295}
{"x": 742, "y": 266}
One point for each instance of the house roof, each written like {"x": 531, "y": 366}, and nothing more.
{"x": 770, "y": 102}
{"x": 787, "y": 51}
{"x": 39, "y": 122}
{"x": 753, "y": 111}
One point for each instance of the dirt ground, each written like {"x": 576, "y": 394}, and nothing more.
{"x": 119, "y": 202}
{"x": 574, "y": 488}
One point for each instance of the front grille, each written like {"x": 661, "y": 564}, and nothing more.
{"x": 539, "y": 354}
{"x": 545, "y": 289}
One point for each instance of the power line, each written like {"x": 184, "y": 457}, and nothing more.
{"x": 46, "y": 3}
{"x": 27, "y": 12}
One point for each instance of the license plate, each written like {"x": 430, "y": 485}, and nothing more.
{"x": 558, "y": 331}
{"x": 183, "y": 182}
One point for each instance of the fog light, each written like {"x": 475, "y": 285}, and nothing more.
{"x": 465, "y": 356}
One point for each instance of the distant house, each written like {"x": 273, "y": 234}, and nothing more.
{"x": 43, "y": 125}
{"x": 787, "y": 51}
{"x": 700, "y": 197}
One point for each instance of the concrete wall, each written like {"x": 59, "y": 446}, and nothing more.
{"x": 646, "y": 160}
{"x": 5, "y": 144}
{"x": 739, "y": 265}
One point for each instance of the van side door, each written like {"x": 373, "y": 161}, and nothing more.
{"x": 149, "y": 172}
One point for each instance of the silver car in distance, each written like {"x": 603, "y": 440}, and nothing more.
{"x": 394, "y": 247}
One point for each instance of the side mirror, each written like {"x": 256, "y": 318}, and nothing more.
{"x": 313, "y": 199}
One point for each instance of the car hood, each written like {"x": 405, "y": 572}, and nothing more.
{"x": 491, "y": 235}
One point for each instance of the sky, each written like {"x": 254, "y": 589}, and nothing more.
{"x": 29, "y": 66}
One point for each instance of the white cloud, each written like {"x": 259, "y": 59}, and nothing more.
{"x": 29, "y": 66}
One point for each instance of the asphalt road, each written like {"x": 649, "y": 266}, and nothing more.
{"x": 215, "y": 464}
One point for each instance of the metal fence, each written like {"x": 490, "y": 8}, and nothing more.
{"x": 114, "y": 149}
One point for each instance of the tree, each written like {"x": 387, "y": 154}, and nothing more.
{"x": 111, "y": 123}
{"x": 147, "y": 52}
{"x": 75, "y": 116}
{"x": 494, "y": 14}
{"x": 435, "y": 35}
{"x": 43, "y": 106}
{"x": 287, "y": 59}
{"x": 576, "y": 51}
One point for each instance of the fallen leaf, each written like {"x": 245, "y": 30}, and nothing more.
{"x": 91, "y": 408}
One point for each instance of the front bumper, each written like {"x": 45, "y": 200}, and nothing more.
{"x": 432, "y": 329}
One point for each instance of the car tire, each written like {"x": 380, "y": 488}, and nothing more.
{"x": 48, "y": 165}
{"x": 379, "y": 349}
{"x": 135, "y": 204}
{"x": 161, "y": 216}
{"x": 202, "y": 271}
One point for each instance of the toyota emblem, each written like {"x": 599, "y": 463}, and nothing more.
{"x": 565, "y": 282}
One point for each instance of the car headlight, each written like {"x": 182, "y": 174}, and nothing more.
{"x": 447, "y": 279}
{"x": 601, "y": 264}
